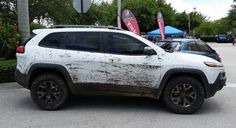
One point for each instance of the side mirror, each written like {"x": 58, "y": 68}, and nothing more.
{"x": 149, "y": 51}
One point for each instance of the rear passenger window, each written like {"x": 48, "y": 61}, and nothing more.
{"x": 53, "y": 40}
{"x": 82, "y": 41}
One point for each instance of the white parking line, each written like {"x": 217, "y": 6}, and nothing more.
{"x": 230, "y": 84}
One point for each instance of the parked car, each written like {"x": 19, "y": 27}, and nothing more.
{"x": 193, "y": 46}
{"x": 222, "y": 38}
{"x": 60, "y": 62}
{"x": 152, "y": 38}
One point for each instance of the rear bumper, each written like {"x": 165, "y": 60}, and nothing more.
{"x": 211, "y": 89}
{"x": 21, "y": 78}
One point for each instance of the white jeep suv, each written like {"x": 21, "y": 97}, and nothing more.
{"x": 58, "y": 62}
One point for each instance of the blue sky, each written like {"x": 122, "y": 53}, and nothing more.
{"x": 213, "y": 9}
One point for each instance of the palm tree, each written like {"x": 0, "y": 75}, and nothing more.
{"x": 23, "y": 18}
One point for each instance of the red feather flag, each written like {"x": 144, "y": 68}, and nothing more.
{"x": 161, "y": 25}
{"x": 130, "y": 21}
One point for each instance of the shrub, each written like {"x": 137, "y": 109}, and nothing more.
{"x": 36, "y": 26}
{"x": 208, "y": 39}
{"x": 9, "y": 38}
{"x": 7, "y": 69}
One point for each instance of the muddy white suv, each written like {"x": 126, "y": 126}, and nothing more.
{"x": 58, "y": 62}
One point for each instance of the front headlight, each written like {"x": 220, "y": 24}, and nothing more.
{"x": 213, "y": 64}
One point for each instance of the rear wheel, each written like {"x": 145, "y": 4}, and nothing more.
{"x": 49, "y": 91}
{"x": 183, "y": 95}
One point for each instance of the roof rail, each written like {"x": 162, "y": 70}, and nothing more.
{"x": 83, "y": 26}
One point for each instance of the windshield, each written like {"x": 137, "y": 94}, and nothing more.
{"x": 147, "y": 42}
{"x": 203, "y": 47}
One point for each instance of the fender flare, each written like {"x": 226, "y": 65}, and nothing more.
{"x": 65, "y": 74}
{"x": 183, "y": 71}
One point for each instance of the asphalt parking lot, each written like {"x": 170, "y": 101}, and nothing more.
{"x": 18, "y": 111}
{"x": 228, "y": 54}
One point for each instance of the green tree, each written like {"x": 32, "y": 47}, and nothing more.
{"x": 101, "y": 14}
{"x": 222, "y": 26}
{"x": 62, "y": 12}
{"x": 206, "y": 28}
{"x": 232, "y": 13}
{"x": 196, "y": 18}
{"x": 8, "y": 40}
{"x": 181, "y": 21}
{"x": 8, "y": 11}
{"x": 232, "y": 19}
{"x": 225, "y": 25}
{"x": 59, "y": 10}
{"x": 36, "y": 26}
{"x": 211, "y": 28}
{"x": 104, "y": 13}
{"x": 146, "y": 12}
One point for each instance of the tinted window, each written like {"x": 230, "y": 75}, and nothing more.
{"x": 82, "y": 41}
{"x": 170, "y": 45}
{"x": 192, "y": 46}
{"x": 123, "y": 44}
{"x": 203, "y": 47}
{"x": 184, "y": 46}
{"x": 53, "y": 40}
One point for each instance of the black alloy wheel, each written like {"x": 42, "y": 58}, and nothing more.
{"x": 49, "y": 91}
{"x": 183, "y": 95}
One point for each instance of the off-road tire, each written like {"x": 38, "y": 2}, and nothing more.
{"x": 188, "y": 100}
{"x": 49, "y": 91}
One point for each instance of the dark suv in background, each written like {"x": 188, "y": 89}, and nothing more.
{"x": 222, "y": 38}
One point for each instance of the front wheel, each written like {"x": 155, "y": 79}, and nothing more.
{"x": 183, "y": 95}
{"x": 49, "y": 91}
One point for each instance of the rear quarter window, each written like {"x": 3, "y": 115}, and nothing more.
{"x": 53, "y": 40}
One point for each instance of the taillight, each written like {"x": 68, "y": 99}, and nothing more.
{"x": 20, "y": 49}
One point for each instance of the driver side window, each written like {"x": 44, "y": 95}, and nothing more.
{"x": 123, "y": 44}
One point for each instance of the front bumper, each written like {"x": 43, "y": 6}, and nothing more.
{"x": 211, "y": 89}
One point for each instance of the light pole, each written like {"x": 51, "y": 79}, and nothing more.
{"x": 119, "y": 13}
{"x": 23, "y": 18}
{"x": 189, "y": 24}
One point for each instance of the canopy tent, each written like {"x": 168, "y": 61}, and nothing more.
{"x": 168, "y": 31}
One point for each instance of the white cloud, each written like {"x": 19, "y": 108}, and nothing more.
{"x": 213, "y": 9}
{"x": 180, "y": 5}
